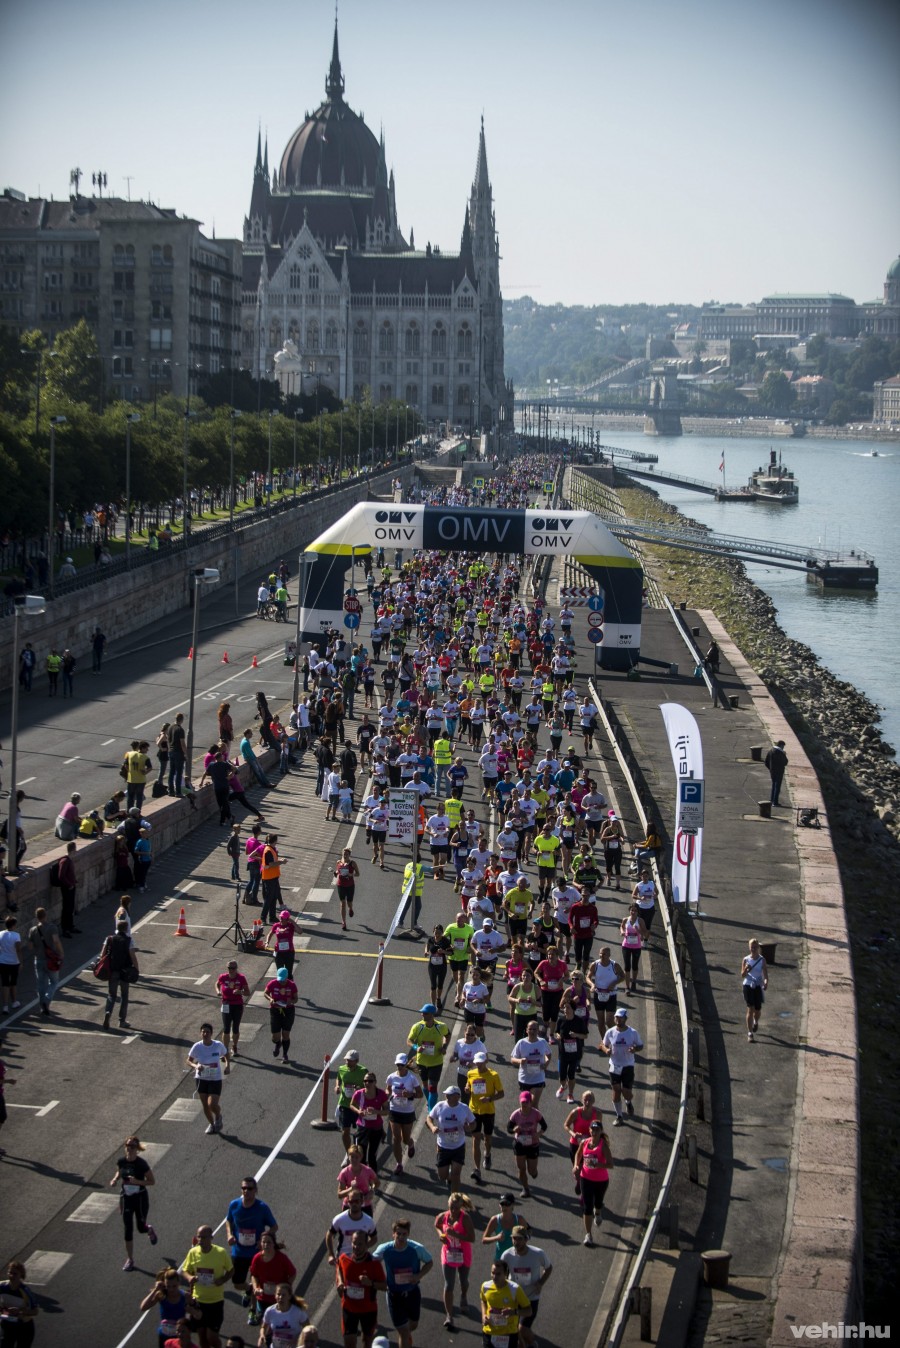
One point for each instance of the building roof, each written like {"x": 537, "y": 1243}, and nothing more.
{"x": 894, "y": 270}
{"x": 78, "y": 213}
{"x": 826, "y": 297}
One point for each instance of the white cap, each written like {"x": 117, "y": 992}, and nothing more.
{"x": 401, "y": 1057}
{"x": 480, "y": 1057}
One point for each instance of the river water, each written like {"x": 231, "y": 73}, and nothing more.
{"x": 848, "y": 499}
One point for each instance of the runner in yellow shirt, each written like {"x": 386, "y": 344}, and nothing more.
{"x": 485, "y": 1089}
{"x": 546, "y": 844}
{"x": 502, "y": 1304}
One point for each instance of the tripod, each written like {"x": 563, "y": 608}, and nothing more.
{"x": 235, "y": 932}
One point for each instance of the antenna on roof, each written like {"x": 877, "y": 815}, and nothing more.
{"x": 129, "y": 177}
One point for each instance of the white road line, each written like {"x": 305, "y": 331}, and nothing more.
{"x": 25, "y": 782}
{"x": 67, "y": 761}
{"x": 276, "y": 655}
{"x": 43, "y": 1265}
{"x": 176, "y": 978}
{"x": 39, "y": 1110}
{"x": 319, "y": 895}
{"x": 95, "y": 1209}
{"x": 53, "y": 1029}
{"x": 154, "y": 1151}
{"x": 185, "y": 1110}
{"x": 105, "y": 742}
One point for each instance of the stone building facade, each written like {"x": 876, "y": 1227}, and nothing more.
{"x": 330, "y": 279}
{"x": 162, "y": 299}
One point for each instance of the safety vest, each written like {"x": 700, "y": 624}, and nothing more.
{"x": 442, "y": 754}
{"x": 271, "y": 868}
{"x": 54, "y": 663}
{"x": 420, "y": 876}
{"x": 453, "y": 809}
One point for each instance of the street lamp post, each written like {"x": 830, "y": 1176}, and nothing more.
{"x": 294, "y": 475}
{"x": 271, "y": 414}
{"x": 129, "y": 422}
{"x": 185, "y": 509}
{"x": 319, "y": 419}
{"x": 204, "y": 576}
{"x": 358, "y": 439}
{"x": 51, "y": 522}
{"x": 307, "y": 559}
{"x": 29, "y": 604}
{"x": 234, "y": 416}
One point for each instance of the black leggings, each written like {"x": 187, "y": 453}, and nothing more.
{"x": 369, "y": 1140}
{"x": 134, "y": 1209}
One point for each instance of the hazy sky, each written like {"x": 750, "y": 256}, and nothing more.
{"x": 710, "y": 149}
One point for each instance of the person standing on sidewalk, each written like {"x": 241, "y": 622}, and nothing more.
{"x": 776, "y": 761}
{"x": 755, "y": 980}
{"x": 48, "y": 957}
{"x": 53, "y": 666}
{"x": 67, "y": 667}
{"x": 138, "y": 765}
{"x": 134, "y": 1177}
{"x": 98, "y": 645}
{"x": 247, "y": 754}
{"x": 177, "y": 739}
{"x": 253, "y": 850}
{"x": 123, "y": 969}
{"x": 10, "y": 963}
{"x": 271, "y": 878}
{"x": 68, "y": 881}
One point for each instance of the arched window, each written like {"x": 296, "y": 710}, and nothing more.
{"x": 439, "y": 340}
{"x": 313, "y": 279}
{"x": 312, "y": 335}
{"x": 412, "y": 341}
{"x": 275, "y": 331}
{"x": 463, "y": 396}
{"x": 249, "y": 338}
{"x": 294, "y": 332}
{"x": 167, "y": 254}
{"x": 296, "y": 277}
{"x": 385, "y": 393}
{"x": 464, "y": 341}
{"x": 437, "y": 394}
{"x": 412, "y": 395}
{"x": 360, "y": 340}
{"x": 331, "y": 337}
{"x": 386, "y": 340}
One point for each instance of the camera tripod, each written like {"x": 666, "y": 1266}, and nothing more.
{"x": 235, "y": 932}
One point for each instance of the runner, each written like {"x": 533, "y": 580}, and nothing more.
{"x": 456, "y": 1232}
{"x": 503, "y": 1304}
{"x": 451, "y": 1122}
{"x": 644, "y": 895}
{"x": 484, "y": 1089}
{"x": 206, "y": 1057}
{"x": 476, "y": 999}
{"x": 281, "y": 941}
{"x": 348, "y": 1223}
{"x": 403, "y": 1089}
{"x": 459, "y": 933}
{"x": 500, "y": 1226}
{"x": 620, "y": 1045}
{"x": 437, "y": 952}
{"x": 526, "y": 1124}
{"x": 578, "y": 1126}
{"x": 268, "y": 1268}
{"x": 590, "y": 1167}
{"x": 438, "y": 830}
{"x": 357, "y": 1177}
{"x": 551, "y": 975}
{"x": 406, "y": 1263}
{"x": 604, "y": 978}
{"x": 529, "y": 1268}
{"x": 359, "y": 1278}
{"x": 523, "y": 1003}
{"x": 531, "y": 1055}
{"x": 283, "y": 1320}
{"x": 134, "y": 1177}
{"x": 377, "y": 820}
{"x": 247, "y": 1218}
{"x": 281, "y": 994}
{"x": 206, "y": 1269}
{"x": 634, "y": 934}
{"x": 349, "y": 1077}
{"x": 370, "y": 1106}
{"x": 346, "y": 873}
{"x": 569, "y": 1035}
{"x": 755, "y": 980}
{"x": 612, "y": 839}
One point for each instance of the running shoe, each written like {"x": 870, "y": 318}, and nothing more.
{"x": 398, "y": 1168}
{"x": 128, "y": 1266}
{"x": 618, "y": 1121}
{"x": 411, "y": 1150}
{"x": 561, "y": 1092}
{"x": 245, "y": 1300}
{"x": 587, "y": 1240}
{"x": 629, "y": 1107}
{"x": 154, "y": 1238}
{"x": 598, "y": 1218}
{"x": 210, "y": 1128}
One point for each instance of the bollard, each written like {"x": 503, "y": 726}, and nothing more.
{"x": 733, "y": 700}
{"x": 756, "y": 753}
{"x": 646, "y": 1310}
{"x": 689, "y": 998}
{"x": 325, "y": 1121}
{"x": 765, "y": 809}
{"x": 695, "y": 1045}
{"x": 701, "y": 1104}
{"x": 674, "y": 1227}
{"x": 716, "y": 1264}
{"x": 693, "y": 1167}
{"x": 379, "y": 999}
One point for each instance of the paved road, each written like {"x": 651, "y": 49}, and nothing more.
{"x": 104, "y": 1086}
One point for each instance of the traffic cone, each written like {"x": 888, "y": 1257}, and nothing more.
{"x": 181, "y": 929}
{"x": 257, "y": 933}
{"x": 225, "y": 660}
{"x": 190, "y": 654}
{"x": 254, "y": 663}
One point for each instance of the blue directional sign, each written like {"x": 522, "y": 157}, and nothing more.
{"x": 351, "y": 620}
{"x": 595, "y": 603}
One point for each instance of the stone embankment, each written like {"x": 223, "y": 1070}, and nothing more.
{"x": 860, "y": 782}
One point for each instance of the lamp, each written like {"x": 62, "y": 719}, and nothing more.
{"x": 29, "y": 604}
{"x": 207, "y": 575}
{"x": 51, "y": 521}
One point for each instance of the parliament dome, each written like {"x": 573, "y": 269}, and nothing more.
{"x": 894, "y": 270}
{"x": 333, "y": 147}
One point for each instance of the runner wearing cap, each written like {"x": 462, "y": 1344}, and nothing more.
{"x": 232, "y": 988}
{"x": 429, "y": 1039}
{"x": 459, "y": 933}
{"x": 403, "y": 1089}
{"x": 281, "y": 994}
{"x": 348, "y": 1078}
{"x": 620, "y": 1045}
{"x": 529, "y": 1267}
{"x": 485, "y": 1089}
{"x": 281, "y": 941}
{"x": 526, "y": 1124}
{"x": 487, "y": 945}
{"x": 591, "y": 1170}
{"x": 451, "y": 1122}
{"x": 500, "y": 1226}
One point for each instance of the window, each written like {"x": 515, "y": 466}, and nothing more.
{"x": 119, "y": 309}
{"x": 464, "y": 341}
{"x": 156, "y": 255}
{"x": 313, "y": 278}
{"x": 160, "y": 339}
{"x": 360, "y": 340}
{"x": 437, "y": 393}
{"x": 411, "y": 340}
{"x": 312, "y": 336}
{"x": 117, "y": 337}
{"x": 123, "y": 280}
{"x": 463, "y": 396}
{"x": 296, "y": 277}
{"x": 463, "y": 367}
{"x": 439, "y": 341}
{"x": 129, "y": 337}
{"x": 412, "y": 394}
{"x": 437, "y": 367}
{"x": 387, "y": 367}
{"x": 385, "y": 393}
{"x": 386, "y": 340}
{"x": 214, "y": 313}
{"x": 275, "y": 334}
{"x": 294, "y": 332}
{"x": 359, "y": 367}
{"x": 214, "y": 364}
{"x": 331, "y": 337}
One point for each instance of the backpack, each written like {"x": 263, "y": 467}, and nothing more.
{"x": 54, "y": 875}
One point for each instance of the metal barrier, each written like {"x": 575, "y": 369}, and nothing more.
{"x": 632, "y": 1281}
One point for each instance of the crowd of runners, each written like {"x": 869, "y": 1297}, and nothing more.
{"x": 463, "y": 690}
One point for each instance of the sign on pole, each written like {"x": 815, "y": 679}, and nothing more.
{"x": 352, "y": 604}
{"x": 403, "y": 809}
{"x": 549, "y": 488}
{"x": 351, "y": 621}
{"x": 690, "y": 804}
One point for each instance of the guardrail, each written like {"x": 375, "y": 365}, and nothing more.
{"x": 627, "y": 1299}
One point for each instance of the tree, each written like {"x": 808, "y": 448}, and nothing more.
{"x": 776, "y": 394}
{"x": 74, "y": 374}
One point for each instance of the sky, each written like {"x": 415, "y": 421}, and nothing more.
{"x": 642, "y": 151}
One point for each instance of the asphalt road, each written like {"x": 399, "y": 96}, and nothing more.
{"x": 79, "y": 1092}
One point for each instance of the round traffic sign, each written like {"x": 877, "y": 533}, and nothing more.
{"x": 595, "y": 619}
{"x": 351, "y": 620}
{"x": 595, "y": 603}
{"x": 595, "y": 635}
{"x": 352, "y": 604}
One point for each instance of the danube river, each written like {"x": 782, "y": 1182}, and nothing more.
{"x": 848, "y": 499}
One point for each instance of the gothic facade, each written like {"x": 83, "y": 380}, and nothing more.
{"x": 332, "y": 286}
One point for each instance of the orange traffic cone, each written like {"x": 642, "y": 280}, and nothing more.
{"x": 181, "y": 929}
{"x": 225, "y": 660}
{"x": 254, "y": 663}
{"x": 190, "y": 654}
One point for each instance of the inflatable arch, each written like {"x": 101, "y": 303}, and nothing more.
{"x": 408, "y": 527}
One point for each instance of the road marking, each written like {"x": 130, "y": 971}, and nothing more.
{"x": 276, "y": 655}
{"x": 39, "y": 1110}
{"x": 258, "y": 999}
{"x": 364, "y": 955}
{"x": 303, "y": 942}
{"x": 177, "y": 978}
{"x": 95, "y": 1209}
{"x": 25, "y": 782}
{"x": 320, "y": 895}
{"x": 182, "y": 1111}
{"x": 105, "y": 742}
{"x": 155, "y": 1151}
{"x": 67, "y": 761}
{"x": 44, "y": 1265}
{"x": 249, "y": 1031}
{"x": 53, "y": 1029}
{"x": 183, "y": 888}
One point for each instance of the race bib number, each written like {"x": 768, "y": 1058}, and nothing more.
{"x": 131, "y": 1189}
{"x": 570, "y": 1045}
{"x": 284, "y": 945}
{"x": 436, "y": 959}
{"x": 209, "y": 1072}
{"x": 206, "y": 1277}
{"x": 522, "y": 1276}
{"x": 246, "y": 1236}
{"x": 404, "y": 1277}
{"x": 553, "y": 984}
{"x": 602, "y": 996}
{"x": 450, "y": 1139}
{"x": 498, "y": 1318}
{"x": 269, "y": 1289}
{"x": 453, "y": 1256}
{"x": 459, "y": 943}
{"x": 584, "y": 923}
{"x": 479, "y": 1088}
{"x": 355, "y": 1292}
{"x": 526, "y": 1138}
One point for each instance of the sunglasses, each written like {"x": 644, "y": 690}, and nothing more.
{"x": 248, "y": 1188}
{"x": 369, "y": 1081}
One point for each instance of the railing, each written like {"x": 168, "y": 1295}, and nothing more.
{"x": 626, "y": 1300}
